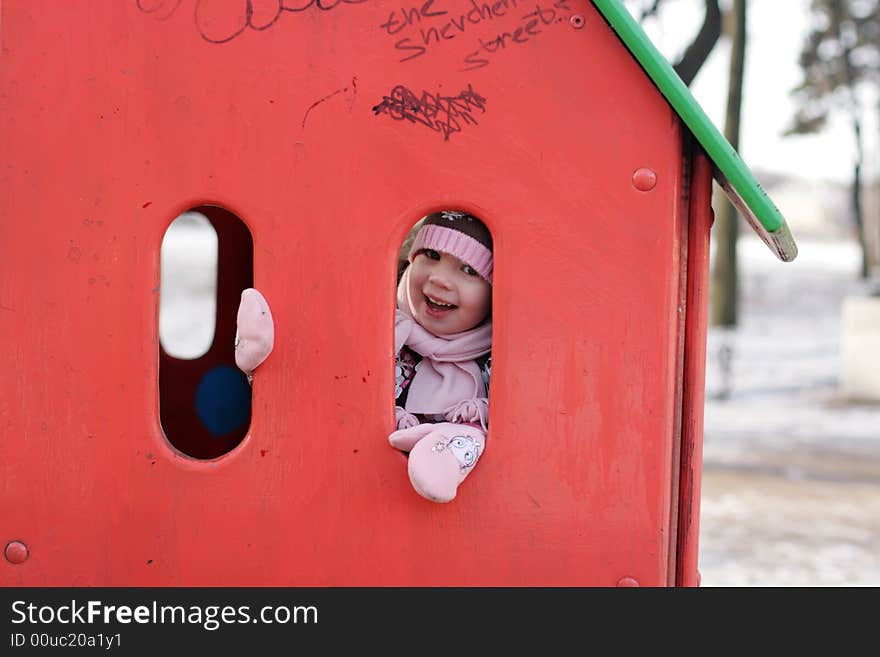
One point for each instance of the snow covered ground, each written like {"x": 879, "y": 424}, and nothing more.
{"x": 791, "y": 478}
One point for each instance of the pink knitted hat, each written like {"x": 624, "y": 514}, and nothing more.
{"x": 459, "y": 234}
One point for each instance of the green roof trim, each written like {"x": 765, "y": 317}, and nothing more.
{"x": 730, "y": 171}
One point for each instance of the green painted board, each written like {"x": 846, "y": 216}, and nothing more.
{"x": 730, "y": 171}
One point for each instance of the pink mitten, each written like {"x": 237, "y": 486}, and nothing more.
{"x": 441, "y": 460}
{"x": 405, "y": 439}
{"x": 256, "y": 331}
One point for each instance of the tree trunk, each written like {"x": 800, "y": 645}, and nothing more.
{"x": 698, "y": 51}
{"x": 857, "y": 196}
{"x": 724, "y": 288}
{"x": 856, "y": 113}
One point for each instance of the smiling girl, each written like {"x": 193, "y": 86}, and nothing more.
{"x": 443, "y": 341}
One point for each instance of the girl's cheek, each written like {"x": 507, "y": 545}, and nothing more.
{"x": 480, "y": 297}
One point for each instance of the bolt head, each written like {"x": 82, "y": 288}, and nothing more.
{"x": 644, "y": 179}
{"x": 16, "y": 552}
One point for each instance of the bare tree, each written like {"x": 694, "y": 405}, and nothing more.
{"x": 840, "y": 55}
{"x": 725, "y": 275}
{"x": 697, "y": 52}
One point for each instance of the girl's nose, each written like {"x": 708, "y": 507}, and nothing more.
{"x": 440, "y": 278}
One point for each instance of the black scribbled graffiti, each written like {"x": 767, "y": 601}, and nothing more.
{"x": 220, "y": 21}
{"x": 444, "y": 114}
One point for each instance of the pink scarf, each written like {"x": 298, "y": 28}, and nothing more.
{"x": 447, "y": 380}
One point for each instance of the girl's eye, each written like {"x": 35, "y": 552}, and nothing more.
{"x": 432, "y": 254}
{"x": 470, "y": 271}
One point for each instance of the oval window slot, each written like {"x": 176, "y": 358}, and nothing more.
{"x": 446, "y": 288}
{"x": 204, "y": 400}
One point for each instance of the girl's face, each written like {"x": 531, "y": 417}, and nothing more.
{"x": 447, "y": 295}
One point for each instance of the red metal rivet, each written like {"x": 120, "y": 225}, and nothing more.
{"x": 577, "y": 21}
{"x": 627, "y": 582}
{"x": 16, "y": 552}
{"x": 644, "y": 179}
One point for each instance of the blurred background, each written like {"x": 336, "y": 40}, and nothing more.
{"x": 791, "y": 475}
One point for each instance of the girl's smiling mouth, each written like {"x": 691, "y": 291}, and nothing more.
{"x": 437, "y": 307}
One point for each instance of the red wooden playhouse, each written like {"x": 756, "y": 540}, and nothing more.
{"x": 313, "y": 134}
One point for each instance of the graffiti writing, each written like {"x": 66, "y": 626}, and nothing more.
{"x": 419, "y": 27}
{"x": 531, "y": 26}
{"x": 161, "y": 9}
{"x": 221, "y": 22}
{"x": 446, "y": 26}
{"x": 444, "y": 114}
